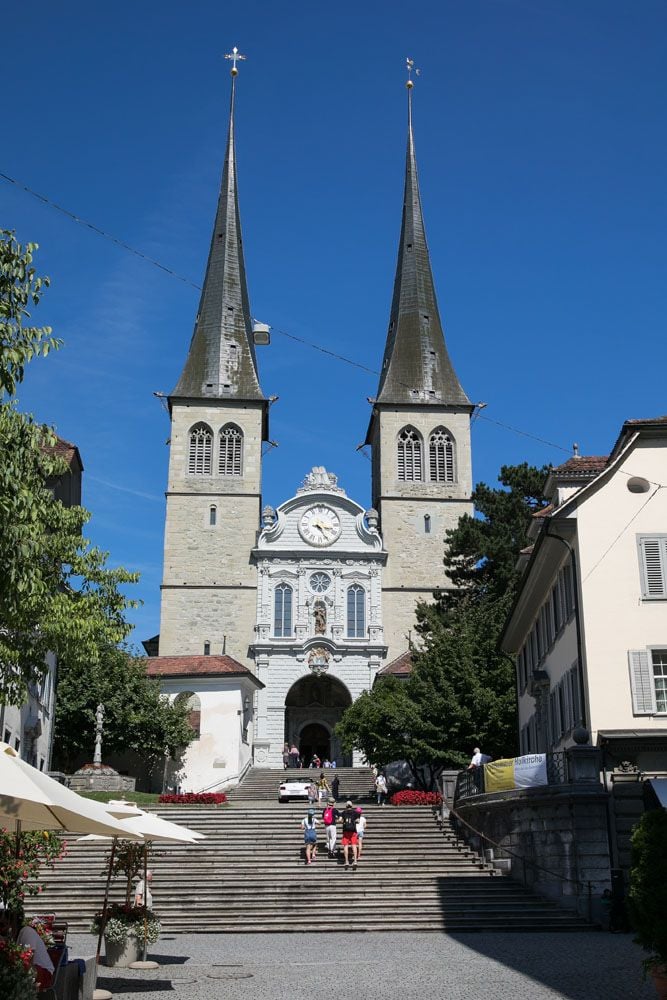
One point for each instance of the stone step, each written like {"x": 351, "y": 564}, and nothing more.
{"x": 250, "y": 874}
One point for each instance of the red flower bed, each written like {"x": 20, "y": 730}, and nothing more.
{"x": 409, "y": 797}
{"x": 195, "y": 798}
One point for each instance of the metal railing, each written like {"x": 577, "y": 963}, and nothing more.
{"x": 471, "y": 782}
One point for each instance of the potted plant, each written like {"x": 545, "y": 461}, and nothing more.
{"x": 124, "y": 932}
{"x": 124, "y": 925}
{"x": 17, "y": 977}
{"x": 647, "y": 897}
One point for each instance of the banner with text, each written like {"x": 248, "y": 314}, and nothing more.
{"x": 516, "y": 772}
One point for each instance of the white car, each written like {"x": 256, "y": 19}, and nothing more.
{"x": 293, "y": 788}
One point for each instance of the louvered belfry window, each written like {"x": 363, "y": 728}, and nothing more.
{"x": 409, "y": 456}
{"x": 201, "y": 449}
{"x": 441, "y": 457}
{"x": 231, "y": 451}
{"x": 653, "y": 559}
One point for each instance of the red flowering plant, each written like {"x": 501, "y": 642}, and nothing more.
{"x": 194, "y": 798}
{"x": 411, "y": 797}
{"x": 17, "y": 976}
{"x": 20, "y": 862}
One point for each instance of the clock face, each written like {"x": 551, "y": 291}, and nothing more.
{"x": 319, "y": 525}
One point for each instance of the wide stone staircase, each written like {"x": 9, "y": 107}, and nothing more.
{"x": 259, "y": 785}
{"x": 249, "y": 875}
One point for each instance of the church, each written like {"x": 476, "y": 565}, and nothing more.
{"x": 274, "y": 620}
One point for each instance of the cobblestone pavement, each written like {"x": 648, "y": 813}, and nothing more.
{"x": 566, "y": 966}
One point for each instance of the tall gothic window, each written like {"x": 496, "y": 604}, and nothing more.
{"x": 441, "y": 456}
{"x": 282, "y": 619}
{"x": 356, "y": 612}
{"x": 231, "y": 451}
{"x": 409, "y": 456}
{"x": 200, "y": 450}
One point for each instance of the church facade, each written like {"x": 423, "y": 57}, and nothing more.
{"x": 274, "y": 620}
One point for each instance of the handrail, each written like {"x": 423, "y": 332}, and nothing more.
{"x": 524, "y": 861}
{"x": 239, "y": 776}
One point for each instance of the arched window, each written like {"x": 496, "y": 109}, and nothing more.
{"x": 427, "y": 524}
{"x": 230, "y": 462}
{"x": 441, "y": 456}
{"x": 282, "y": 619}
{"x": 356, "y": 612}
{"x": 201, "y": 448}
{"x": 212, "y": 516}
{"x": 193, "y": 705}
{"x": 409, "y": 456}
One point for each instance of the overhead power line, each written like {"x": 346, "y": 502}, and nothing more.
{"x": 73, "y": 217}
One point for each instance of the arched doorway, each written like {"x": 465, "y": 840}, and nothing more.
{"x": 313, "y": 706}
{"x": 314, "y": 739}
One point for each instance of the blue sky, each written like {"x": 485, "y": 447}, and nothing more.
{"x": 540, "y": 137}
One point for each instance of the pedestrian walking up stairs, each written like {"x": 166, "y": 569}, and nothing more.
{"x": 250, "y": 875}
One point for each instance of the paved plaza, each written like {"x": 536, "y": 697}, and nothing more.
{"x": 572, "y": 966}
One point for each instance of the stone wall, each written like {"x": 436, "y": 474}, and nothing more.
{"x": 558, "y": 836}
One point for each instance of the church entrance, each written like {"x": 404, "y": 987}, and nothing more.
{"x": 314, "y": 740}
{"x": 313, "y": 706}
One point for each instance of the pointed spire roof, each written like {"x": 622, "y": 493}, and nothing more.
{"x": 416, "y": 367}
{"x": 221, "y": 361}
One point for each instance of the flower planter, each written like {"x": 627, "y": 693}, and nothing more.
{"x": 122, "y": 953}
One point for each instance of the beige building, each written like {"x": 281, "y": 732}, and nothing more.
{"x": 298, "y": 608}
{"x": 589, "y": 626}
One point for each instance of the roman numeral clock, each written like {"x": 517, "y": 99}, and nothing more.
{"x": 320, "y": 525}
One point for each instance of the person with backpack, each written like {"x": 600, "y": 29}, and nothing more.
{"x": 349, "y": 835}
{"x": 330, "y": 817}
{"x": 309, "y": 825}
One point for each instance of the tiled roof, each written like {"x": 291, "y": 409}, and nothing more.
{"x": 66, "y": 450}
{"x": 581, "y": 467}
{"x": 198, "y": 666}
{"x": 400, "y": 667}
{"x": 646, "y": 420}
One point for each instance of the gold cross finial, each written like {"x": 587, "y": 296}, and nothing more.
{"x": 234, "y": 55}
{"x": 410, "y": 66}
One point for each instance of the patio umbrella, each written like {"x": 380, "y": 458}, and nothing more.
{"x": 148, "y": 827}
{"x": 30, "y": 800}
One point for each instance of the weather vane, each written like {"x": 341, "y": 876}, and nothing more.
{"x": 234, "y": 55}
{"x": 410, "y": 66}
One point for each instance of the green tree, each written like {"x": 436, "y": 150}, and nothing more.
{"x": 461, "y": 691}
{"x": 57, "y": 593}
{"x": 136, "y": 716}
{"x": 481, "y": 551}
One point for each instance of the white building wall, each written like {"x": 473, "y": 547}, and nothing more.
{"x": 616, "y": 617}
{"x": 220, "y": 754}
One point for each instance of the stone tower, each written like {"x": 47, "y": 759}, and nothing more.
{"x": 419, "y": 430}
{"x": 218, "y": 422}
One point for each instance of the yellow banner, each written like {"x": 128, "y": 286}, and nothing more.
{"x": 499, "y": 776}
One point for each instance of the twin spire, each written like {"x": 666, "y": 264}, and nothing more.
{"x": 221, "y": 362}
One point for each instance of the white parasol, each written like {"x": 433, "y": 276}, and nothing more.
{"x": 30, "y": 800}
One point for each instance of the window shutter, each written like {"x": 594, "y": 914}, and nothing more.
{"x": 654, "y": 553}
{"x": 641, "y": 683}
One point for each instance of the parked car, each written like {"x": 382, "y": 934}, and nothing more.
{"x": 293, "y": 788}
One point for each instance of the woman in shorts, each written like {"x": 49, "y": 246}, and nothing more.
{"x": 361, "y": 829}
{"x": 309, "y": 826}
